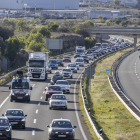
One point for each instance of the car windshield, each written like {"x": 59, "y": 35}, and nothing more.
{"x": 77, "y": 53}
{"x": 71, "y": 65}
{"x": 14, "y": 113}
{"x": 18, "y": 84}
{"x": 54, "y": 88}
{"x": 67, "y": 57}
{"x": 80, "y": 51}
{"x": 59, "y": 97}
{"x": 62, "y": 83}
{"x": 35, "y": 63}
{"x": 84, "y": 56}
{"x": 79, "y": 60}
{"x": 62, "y": 124}
{"x": 4, "y": 122}
{"x": 52, "y": 61}
{"x": 57, "y": 77}
{"x": 68, "y": 70}
{"x": 59, "y": 60}
{"x": 98, "y": 45}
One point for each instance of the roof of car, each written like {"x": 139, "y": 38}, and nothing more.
{"x": 58, "y": 94}
{"x": 4, "y": 118}
{"x": 61, "y": 120}
{"x": 62, "y": 80}
{"x": 53, "y": 86}
{"x": 15, "y": 109}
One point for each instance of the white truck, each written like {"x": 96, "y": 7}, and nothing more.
{"x": 80, "y": 49}
{"x": 38, "y": 65}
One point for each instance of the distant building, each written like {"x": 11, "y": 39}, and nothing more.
{"x": 63, "y": 13}
{"x": 106, "y": 13}
{"x": 40, "y": 4}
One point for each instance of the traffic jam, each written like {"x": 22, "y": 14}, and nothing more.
{"x": 39, "y": 66}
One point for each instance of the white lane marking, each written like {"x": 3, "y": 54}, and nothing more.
{"x": 33, "y": 85}
{"x": 137, "y": 77}
{"x": 4, "y": 101}
{"x": 33, "y": 132}
{"x": 136, "y": 74}
{"x": 36, "y": 111}
{"x": 41, "y": 97}
{"x": 39, "y": 103}
{"x": 34, "y": 120}
{"x": 76, "y": 112}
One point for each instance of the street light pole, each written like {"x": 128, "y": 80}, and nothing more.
{"x": 25, "y": 8}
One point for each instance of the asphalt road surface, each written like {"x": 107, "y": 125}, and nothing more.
{"x": 38, "y": 113}
{"x": 129, "y": 76}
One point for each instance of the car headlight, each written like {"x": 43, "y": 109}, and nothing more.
{"x": 27, "y": 94}
{"x": 56, "y": 132}
{"x": 8, "y": 129}
{"x": 12, "y": 93}
{"x": 23, "y": 120}
{"x": 42, "y": 74}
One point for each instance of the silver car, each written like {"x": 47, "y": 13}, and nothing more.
{"x": 58, "y": 101}
{"x": 66, "y": 73}
{"x": 64, "y": 85}
{"x": 73, "y": 67}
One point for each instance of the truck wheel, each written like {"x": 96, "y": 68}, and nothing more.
{"x": 23, "y": 127}
{"x": 71, "y": 77}
{"x": 9, "y": 138}
{"x": 46, "y": 76}
{"x": 11, "y": 100}
{"x": 29, "y": 100}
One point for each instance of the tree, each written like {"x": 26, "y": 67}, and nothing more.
{"x": 44, "y": 31}
{"x": 53, "y": 26}
{"x": 108, "y": 23}
{"x": 100, "y": 17}
{"x": 89, "y": 42}
{"x": 22, "y": 25}
{"x": 13, "y": 47}
{"x": 124, "y": 23}
{"x": 116, "y": 2}
{"x": 2, "y": 46}
{"x": 9, "y": 22}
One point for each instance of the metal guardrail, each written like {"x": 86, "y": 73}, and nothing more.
{"x": 114, "y": 74}
{"x": 12, "y": 72}
{"x": 84, "y": 97}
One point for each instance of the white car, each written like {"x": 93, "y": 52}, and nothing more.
{"x": 73, "y": 67}
{"x": 66, "y": 73}
{"x": 64, "y": 85}
{"x": 90, "y": 56}
{"x": 77, "y": 65}
{"x": 58, "y": 101}
{"x": 80, "y": 61}
{"x": 109, "y": 49}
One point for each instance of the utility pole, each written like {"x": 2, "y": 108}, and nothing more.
{"x": 35, "y": 8}
{"x": 54, "y": 6}
{"x": 25, "y": 8}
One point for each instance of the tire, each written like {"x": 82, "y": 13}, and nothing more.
{"x": 66, "y": 108}
{"x": 76, "y": 72}
{"x": 11, "y": 100}
{"x": 50, "y": 108}
{"x": 50, "y": 72}
{"x": 71, "y": 77}
{"x": 9, "y": 138}
{"x": 46, "y": 99}
{"x": 23, "y": 127}
{"x": 57, "y": 68}
{"x": 28, "y": 100}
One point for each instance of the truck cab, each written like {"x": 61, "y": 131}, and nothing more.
{"x": 20, "y": 88}
{"x": 80, "y": 49}
{"x": 38, "y": 65}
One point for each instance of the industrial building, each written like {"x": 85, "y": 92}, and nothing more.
{"x": 107, "y": 13}
{"x": 40, "y": 4}
{"x": 63, "y": 13}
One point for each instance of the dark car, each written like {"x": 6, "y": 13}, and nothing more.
{"x": 86, "y": 59}
{"x": 61, "y": 129}
{"x": 55, "y": 78}
{"x": 89, "y": 51}
{"x": 5, "y": 128}
{"x": 53, "y": 64}
{"x": 52, "y": 89}
{"x": 67, "y": 59}
{"x": 60, "y": 62}
{"x": 77, "y": 55}
{"x": 138, "y": 48}
{"x": 16, "y": 117}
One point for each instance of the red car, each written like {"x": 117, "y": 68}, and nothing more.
{"x": 67, "y": 59}
{"x": 52, "y": 89}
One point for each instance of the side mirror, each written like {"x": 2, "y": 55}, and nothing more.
{"x": 2, "y": 114}
{"x": 48, "y": 126}
{"x": 31, "y": 88}
{"x": 9, "y": 87}
{"x": 74, "y": 126}
{"x": 25, "y": 115}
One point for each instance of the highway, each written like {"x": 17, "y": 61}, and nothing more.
{"x": 129, "y": 76}
{"x": 38, "y": 113}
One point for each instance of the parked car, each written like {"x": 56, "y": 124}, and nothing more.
{"x": 16, "y": 117}
{"x": 61, "y": 129}
{"x": 52, "y": 89}
{"x": 58, "y": 101}
{"x": 67, "y": 59}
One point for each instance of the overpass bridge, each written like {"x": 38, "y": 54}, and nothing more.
{"x": 116, "y": 31}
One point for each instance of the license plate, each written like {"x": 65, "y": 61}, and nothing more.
{"x": 0, "y": 133}
{"x": 36, "y": 76}
{"x": 20, "y": 97}
{"x": 62, "y": 136}
{"x": 14, "y": 122}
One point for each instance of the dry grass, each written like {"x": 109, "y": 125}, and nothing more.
{"x": 107, "y": 110}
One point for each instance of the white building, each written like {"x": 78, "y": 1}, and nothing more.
{"x": 40, "y": 4}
